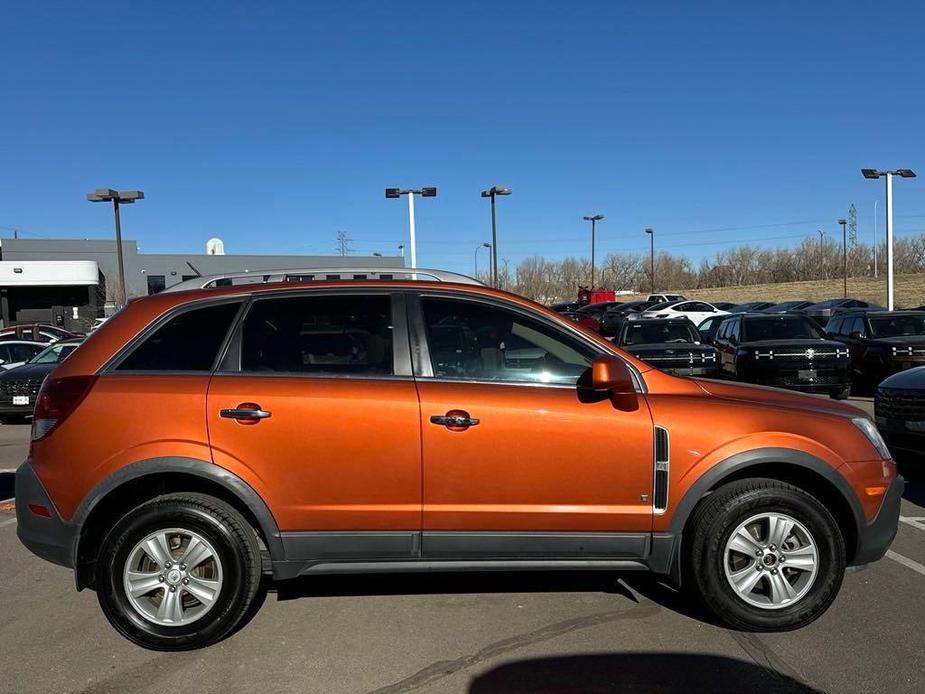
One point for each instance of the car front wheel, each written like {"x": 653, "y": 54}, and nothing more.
{"x": 766, "y": 555}
{"x": 178, "y": 572}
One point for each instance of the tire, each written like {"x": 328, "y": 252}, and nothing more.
{"x": 714, "y": 524}
{"x": 840, "y": 393}
{"x": 230, "y": 572}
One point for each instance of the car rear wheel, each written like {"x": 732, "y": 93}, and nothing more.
{"x": 178, "y": 572}
{"x": 765, "y": 555}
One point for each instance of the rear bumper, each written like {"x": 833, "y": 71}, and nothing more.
{"x": 874, "y": 538}
{"x": 50, "y": 538}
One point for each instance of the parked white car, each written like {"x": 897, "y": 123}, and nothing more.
{"x": 15, "y": 353}
{"x": 695, "y": 311}
{"x": 664, "y": 298}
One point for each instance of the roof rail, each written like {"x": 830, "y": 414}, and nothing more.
{"x": 228, "y": 279}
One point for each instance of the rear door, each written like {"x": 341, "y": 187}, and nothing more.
{"x": 316, "y": 398}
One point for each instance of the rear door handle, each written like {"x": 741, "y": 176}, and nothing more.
{"x": 245, "y": 412}
{"x": 454, "y": 419}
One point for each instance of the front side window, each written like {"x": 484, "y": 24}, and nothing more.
{"x": 54, "y": 354}
{"x": 187, "y": 342}
{"x": 348, "y": 335}
{"x": 475, "y": 341}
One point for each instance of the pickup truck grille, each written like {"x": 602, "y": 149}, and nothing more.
{"x": 904, "y": 405}
{"x": 25, "y": 387}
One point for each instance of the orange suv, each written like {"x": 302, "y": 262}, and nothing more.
{"x": 200, "y": 439}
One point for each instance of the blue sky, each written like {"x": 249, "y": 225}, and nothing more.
{"x": 274, "y": 125}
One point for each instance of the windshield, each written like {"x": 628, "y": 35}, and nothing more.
{"x": 54, "y": 354}
{"x": 780, "y": 328}
{"x": 897, "y": 326}
{"x": 662, "y": 331}
{"x": 831, "y": 303}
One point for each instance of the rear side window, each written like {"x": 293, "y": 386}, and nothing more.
{"x": 187, "y": 342}
{"x": 347, "y": 335}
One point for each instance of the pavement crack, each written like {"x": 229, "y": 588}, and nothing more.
{"x": 763, "y": 655}
{"x": 445, "y": 668}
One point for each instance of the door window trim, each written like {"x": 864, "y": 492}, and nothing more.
{"x": 420, "y": 352}
{"x": 229, "y": 362}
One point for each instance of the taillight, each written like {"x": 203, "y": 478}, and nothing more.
{"x": 56, "y": 400}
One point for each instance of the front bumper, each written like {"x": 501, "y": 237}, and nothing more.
{"x": 50, "y": 538}
{"x": 874, "y": 538}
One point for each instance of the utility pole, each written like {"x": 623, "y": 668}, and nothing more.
{"x": 343, "y": 243}
{"x": 593, "y": 219}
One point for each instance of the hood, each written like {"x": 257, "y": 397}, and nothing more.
{"x": 27, "y": 372}
{"x": 902, "y": 340}
{"x": 664, "y": 347}
{"x": 808, "y": 343}
{"x": 911, "y": 379}
{"x": 765, "y": 395}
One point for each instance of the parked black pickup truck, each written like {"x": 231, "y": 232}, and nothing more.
{"x": 670, "y": 345}
{"x": 881, "y": 343}
{"x": 784, "y": 350}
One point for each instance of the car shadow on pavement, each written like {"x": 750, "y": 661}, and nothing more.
{"x": 633, "y": 672}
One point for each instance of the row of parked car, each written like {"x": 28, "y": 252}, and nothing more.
{"x": 826, "y": 347}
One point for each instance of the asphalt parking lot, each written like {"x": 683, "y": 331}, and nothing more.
{"x": 534, "y": 632}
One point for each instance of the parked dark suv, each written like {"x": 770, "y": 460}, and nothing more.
{"x": 789, "y": 351}
{"x": 899, "y": 410}
{"x": 881, "y": 342}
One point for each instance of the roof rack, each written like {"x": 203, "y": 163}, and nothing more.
{"x": 228, "y": 279}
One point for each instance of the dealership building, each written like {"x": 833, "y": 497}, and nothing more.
{"x": 70, "y": 282}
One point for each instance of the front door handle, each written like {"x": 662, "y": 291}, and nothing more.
{"x": 455, "y": 420}
{"x": 245, "y": 413}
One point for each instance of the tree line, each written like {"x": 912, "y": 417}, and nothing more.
{"x": 814, "y": 259}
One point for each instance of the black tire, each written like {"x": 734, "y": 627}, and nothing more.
{"x": 717, "y": 517}
{"x": 841, "y": 393}
{"x": 229, "y": 534}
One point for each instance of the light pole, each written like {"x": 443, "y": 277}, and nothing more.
{"x": 888, "y": 175}
{"x": 844, "y": 252}
{"x": 876, "y": 239}
{"x": 126, "y": 197}
{"x": 492, "y": 193}
{"x": 411, "y": 192}
{"x": 480, "y": 246}
{"x": 594, "y": 220}
{"x": 651, "y": 233}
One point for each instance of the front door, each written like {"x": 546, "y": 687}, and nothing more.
{"x": 318, "y": 401}
{"x": 519, "y": 460}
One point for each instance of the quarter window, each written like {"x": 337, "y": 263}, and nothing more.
{"x": 475, "y": 341}
{"x": 325, "y": 335}
{"x": 187, "y": 342}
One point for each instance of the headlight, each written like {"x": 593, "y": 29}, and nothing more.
{"x": 870, "y": 431}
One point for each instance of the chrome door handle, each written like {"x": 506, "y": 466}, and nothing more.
{"x": 244, "y": 413}
{"x": 454, "y": 420}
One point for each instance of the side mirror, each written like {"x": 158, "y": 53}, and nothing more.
{"x": 856, "y": 335}
{"x": 611, "y": 374}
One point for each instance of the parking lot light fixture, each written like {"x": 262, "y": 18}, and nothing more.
{"x": 492, "y": 193}
{"x": 888, "y": 176}
{"x": 594, "y": 219}
{"x": 651, "y": 232}
{"x": 125, "y": 197}
{"x": 428, "y": 192}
